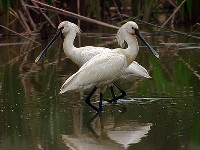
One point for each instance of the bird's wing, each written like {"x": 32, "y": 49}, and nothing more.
{"x": 88, "y": 52}
{"x": 100, "y": 69}
{"x": 135, "y": 70}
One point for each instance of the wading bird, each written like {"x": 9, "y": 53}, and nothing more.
{"x": 83, "y": 54}
{"x": 104, "y": 68}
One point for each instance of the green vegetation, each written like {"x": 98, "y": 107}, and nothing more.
{"x": 27, "y": 14}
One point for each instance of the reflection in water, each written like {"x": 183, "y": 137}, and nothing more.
{"x": 106, "y": 135}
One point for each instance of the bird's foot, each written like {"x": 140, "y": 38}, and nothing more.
{"x": 111, "y": 101}
{"x": 100, "y": 111}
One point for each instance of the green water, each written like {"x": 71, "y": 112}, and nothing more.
{"x": 158, "y": 113}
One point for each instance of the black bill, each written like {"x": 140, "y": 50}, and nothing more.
{"x": 147, "y": 44}
{"x": 48, "y": 45}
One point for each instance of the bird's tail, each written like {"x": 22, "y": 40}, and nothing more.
{"x": 70, "y": 84}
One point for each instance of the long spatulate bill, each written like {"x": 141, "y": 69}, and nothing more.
{"x": 48, "y": 45}
{"x": 147, "y": 44}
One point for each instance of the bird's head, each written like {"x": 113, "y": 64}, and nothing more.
{"x": 64, "y": 27}
{"x": 131, "y": 29}
{"x": 67, "y": 26}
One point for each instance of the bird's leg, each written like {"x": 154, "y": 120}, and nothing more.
{"x": 87, "y": 100}
{"x": 112, "y": 91}
{"x": 100, "y": 102}
{"x": 123, "y": 94}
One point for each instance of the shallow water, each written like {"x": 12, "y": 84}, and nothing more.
{"x": 158, "y": 113}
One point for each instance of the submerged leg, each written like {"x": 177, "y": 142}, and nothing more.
{"x": 115, "y": 98}
{"x": 87, "y": 100}
{"x": 89, "y": 125}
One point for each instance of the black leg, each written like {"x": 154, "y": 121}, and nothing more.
{"x": 112, "y": 91}
{"x": 123, "y": 93}
{"x": 100, "y": 102}
{"x": 87, "y": 100}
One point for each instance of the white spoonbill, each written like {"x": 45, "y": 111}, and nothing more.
{"x": 104, "y": 68}
{"x": 83, "y": 54}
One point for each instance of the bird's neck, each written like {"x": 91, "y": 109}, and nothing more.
{"x": 133, "y": 47}
{"x": 70, "y": 50}
{"x": 68, "y": 44}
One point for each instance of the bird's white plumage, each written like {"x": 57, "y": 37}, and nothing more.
{"x": 121, "y": 34}
{"x": 83, "y": 54}
{"x": 101, "y": 69}
{"x": 87, "y": 52}
{"x": 96, "y": 72}
{"x": 135, "y": 70}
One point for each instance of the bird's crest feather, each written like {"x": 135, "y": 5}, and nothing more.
{"x": 120, "y": 38}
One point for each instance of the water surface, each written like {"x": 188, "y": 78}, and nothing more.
{"x": 158, "y": 113}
